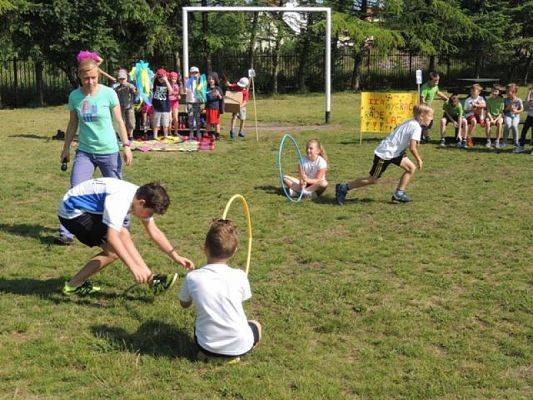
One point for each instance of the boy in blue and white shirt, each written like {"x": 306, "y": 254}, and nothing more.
{"x": 97, "y": 213}
{"x": 391, "y": 150}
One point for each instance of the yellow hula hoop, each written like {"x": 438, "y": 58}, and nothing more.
{"x": 249, "y": 220}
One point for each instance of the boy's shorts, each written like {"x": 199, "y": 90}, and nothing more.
{"x": 241, "y": 114}
{"x": 128, "y": 115}
{"x": 475, "y": 117}
{"x": 161, "y": 119}
{"x": 380, "y": 165}
{"x": 88, "y": 228}
{"x": 496, "y": 119}
{"x": 255, "y": 332}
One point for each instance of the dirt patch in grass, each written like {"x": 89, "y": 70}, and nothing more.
{"x": 265, "y": 126}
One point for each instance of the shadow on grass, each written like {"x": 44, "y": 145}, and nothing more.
{"x": 31, "y": 136}
{"x": 155, "y": 338}
{"x": 51, "y": 290}
{"x": 331, "y": 200}
{"x": 30, "y": 230}
{"x": 271, "y": 189}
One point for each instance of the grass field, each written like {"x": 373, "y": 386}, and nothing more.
{"x": 430, "y": 300}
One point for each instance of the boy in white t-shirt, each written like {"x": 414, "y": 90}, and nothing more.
{"x": 391, "y": 150}
{"x": 217, "y": 291}
{"x": 312, "y": 172}
{"x": 97, "y": 213}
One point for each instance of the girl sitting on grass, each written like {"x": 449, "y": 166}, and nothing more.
{"x": 312, "y": 172}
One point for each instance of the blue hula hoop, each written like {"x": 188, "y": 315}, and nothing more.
{"x": 299, "y": 154}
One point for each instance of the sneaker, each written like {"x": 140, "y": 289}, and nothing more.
{"x": 161, "y": 283}
{"x": 341, "y": 190}
{"x": 504, "y": 144}
{"x": 463, "y": 144}
{"x": 83, "y": 290}
{"x": 443, "y": 142}
{"x": 488, "y": 145}
{"x": 231, "y": 134}
{"x": 518, "y": 149}
{"x": 400, "y": 197}
{"x": 459, "y": 144}
{"x": 497, "y": 145}
{"x": 241, "y": 134}
{"x": 292, "y": 193}
{"x": 309, "y": 195}
{"x": 62, "y": 240}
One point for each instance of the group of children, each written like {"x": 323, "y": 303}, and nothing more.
{"x": 502, "y": 113}
{"x": 166, "y": 92}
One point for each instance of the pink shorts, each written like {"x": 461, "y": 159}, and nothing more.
{"x": 174, "y": 104}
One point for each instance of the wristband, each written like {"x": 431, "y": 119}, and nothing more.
{"x": 172, "y": 250}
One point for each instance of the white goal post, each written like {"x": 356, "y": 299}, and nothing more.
{"x": 326, "y": 10}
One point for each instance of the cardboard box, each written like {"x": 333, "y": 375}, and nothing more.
{"x": 232, "y": 102}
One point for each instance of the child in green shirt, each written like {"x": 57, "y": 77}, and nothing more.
{"x": 453, "y": 114}
{"x": 494, "y": 116}
{"x": 428, "y": 91}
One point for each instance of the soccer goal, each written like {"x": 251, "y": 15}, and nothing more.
{"x": 327, "y": 10}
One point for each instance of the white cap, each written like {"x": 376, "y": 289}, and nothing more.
{"x": 243, "y": 82}
{"x": 194, "y": 69}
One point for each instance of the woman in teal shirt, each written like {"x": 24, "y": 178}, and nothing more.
{"x": 92, "y": 107}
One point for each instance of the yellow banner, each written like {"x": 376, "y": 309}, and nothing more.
{"x": 382, "y": 112}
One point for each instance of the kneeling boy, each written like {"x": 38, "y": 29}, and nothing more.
{"x": 217, "y": 290}
{"x": 97, "y": 213}
{"x": 391, "y": 150}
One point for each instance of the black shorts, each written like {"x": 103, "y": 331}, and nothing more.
{"x": 380, "y": 165}
{"x": 255, "y": 331}
{"x": 88, "y": 228}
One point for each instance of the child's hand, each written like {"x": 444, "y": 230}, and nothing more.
{"x": 420, "y": 164}
{"x": 455, "y": 124}
{"x": 186, "y": 263}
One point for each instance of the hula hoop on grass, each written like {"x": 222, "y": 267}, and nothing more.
{"x": 299, "y": 154}
{"x": 248, "y": 219}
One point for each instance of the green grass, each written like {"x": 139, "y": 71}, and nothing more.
{"x": 366, "y": 301}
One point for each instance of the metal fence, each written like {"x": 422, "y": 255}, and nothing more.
{"x": 19, "y": 86}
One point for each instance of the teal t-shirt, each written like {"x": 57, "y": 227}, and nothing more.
{"x": 495, "y": 106}
{"x": 428, "y": 93}
{"x": 454, "y": 111}
{"x": 96, "y": 132}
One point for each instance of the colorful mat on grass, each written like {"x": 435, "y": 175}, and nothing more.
{"x": 172, "y": 143}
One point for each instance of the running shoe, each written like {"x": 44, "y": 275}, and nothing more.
{"x": 400, "y": 197}
{"x": 161, "y": 283}
{"x": 231, "y": 134}
{"x": 84, "y": 289}
{"x": 241, "y": 134}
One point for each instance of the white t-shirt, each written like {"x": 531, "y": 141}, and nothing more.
{"x": 311, "y": 168}
{"x": 109, "y": 197}
{"x": 396, "y": 143}
{"x": 217, "y": 292}
{"x": 469, "y": 105}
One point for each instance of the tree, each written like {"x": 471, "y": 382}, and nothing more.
{"x": 433, "y": 27}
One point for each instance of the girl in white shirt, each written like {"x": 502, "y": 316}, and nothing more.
{"x": 312, "y": 172}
